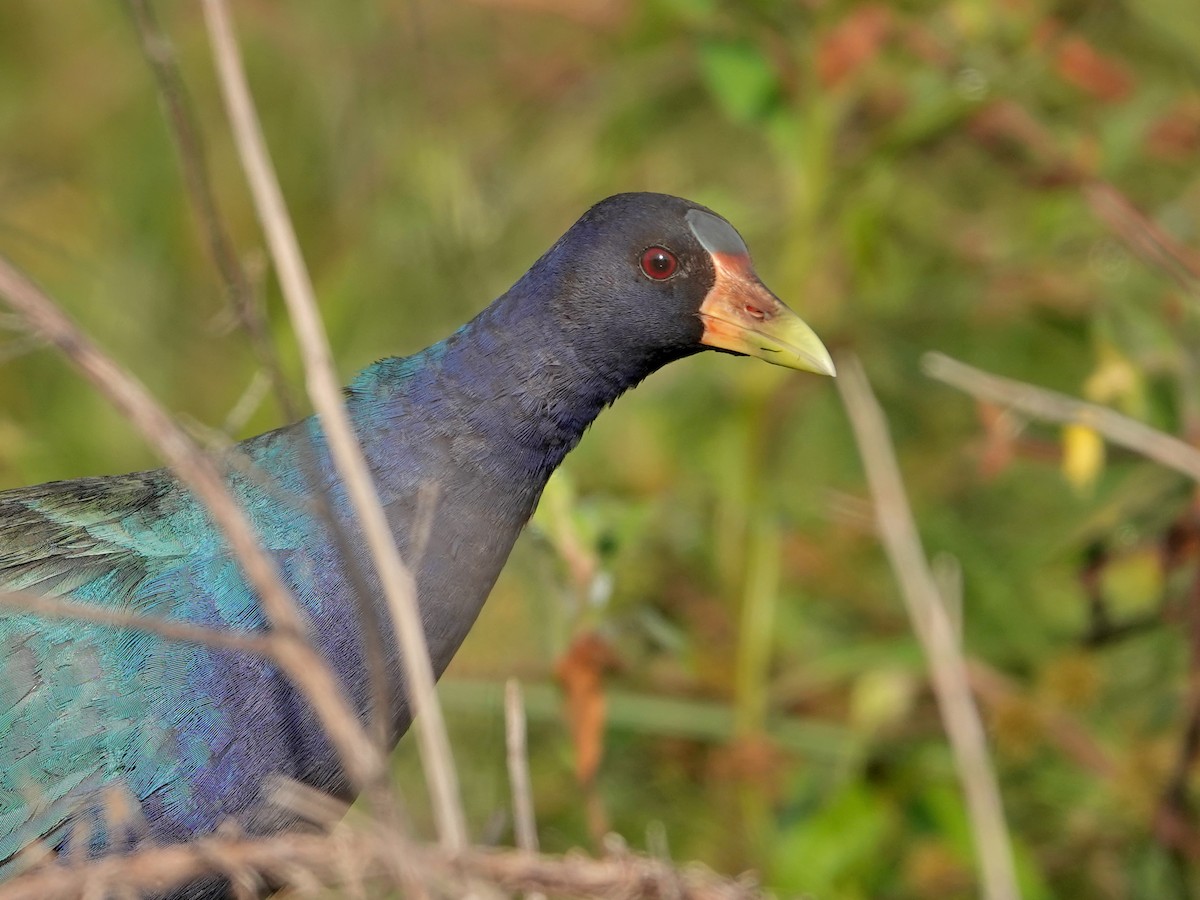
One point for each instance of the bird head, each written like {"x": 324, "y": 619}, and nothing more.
{"x": 671, "y": 277}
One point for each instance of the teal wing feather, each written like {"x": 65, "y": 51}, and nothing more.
{"x": 68, "y": 691}
{"x": 189, "y": 732}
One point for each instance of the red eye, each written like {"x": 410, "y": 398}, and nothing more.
{"x": 659, "y": 263}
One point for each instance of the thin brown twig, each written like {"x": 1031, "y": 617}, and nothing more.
{"x": 1062, "y": 729}
{"x": 269, "y": 645}
{"x": 258, "y": 643}
{"x": 1174, "y": 819}
{"x": 1143, "y": 235}
{"x": 1051, "y": 406}
{"x": 1006, "y": 124}
{"x": 199, "y": 473}
{"x": 193, "y": 162}
{"x": 325, "y": 390}
{"x": 373, "y": 856}
{"x": 927, "y": 612}
{"x": 518, "y": 767}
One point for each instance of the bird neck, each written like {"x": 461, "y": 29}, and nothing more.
{"x": 520, "y": 380}
{"x": 541, "y": 384}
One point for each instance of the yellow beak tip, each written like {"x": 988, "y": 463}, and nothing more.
{"x": 825, "y": 366}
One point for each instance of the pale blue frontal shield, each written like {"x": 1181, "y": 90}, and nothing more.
{"x": 715, "y": 234}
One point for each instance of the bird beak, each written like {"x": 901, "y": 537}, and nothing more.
{"x": 742, "y": 316}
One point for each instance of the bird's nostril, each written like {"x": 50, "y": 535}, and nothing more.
{"x": 754, "y": 311}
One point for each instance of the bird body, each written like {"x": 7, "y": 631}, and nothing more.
{"x": 460, "y": 439}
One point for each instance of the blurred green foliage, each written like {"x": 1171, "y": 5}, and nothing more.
{"x": 911, "y": 176}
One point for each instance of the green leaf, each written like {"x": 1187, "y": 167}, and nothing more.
{"x": 740, "y": 77}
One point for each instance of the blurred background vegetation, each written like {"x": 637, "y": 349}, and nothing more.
{"x": 702, "y": 587}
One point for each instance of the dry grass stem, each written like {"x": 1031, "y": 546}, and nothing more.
{"x": 1051, "y": 406}
{"x": 325, "y": 390}
{"x": 199, "y": 474}
{"x": 259, "y": 644}
{"x": 365, "y": 861}
{"x": 189, "y": 144}
{"x": 518, "y": 767}
{"x": 927, "y": 611}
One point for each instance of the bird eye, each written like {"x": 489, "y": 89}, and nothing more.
{"x": 659, "y": 263}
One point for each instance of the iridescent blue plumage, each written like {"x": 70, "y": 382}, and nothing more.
{"x": 460, "y": 438}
